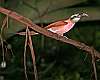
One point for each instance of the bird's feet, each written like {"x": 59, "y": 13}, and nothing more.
{"x": 66, "y": 37}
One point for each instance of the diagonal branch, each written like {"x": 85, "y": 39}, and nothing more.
{"x": 47, "y": 33}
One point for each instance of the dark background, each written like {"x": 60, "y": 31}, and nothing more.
{"x": 55, "y": 60}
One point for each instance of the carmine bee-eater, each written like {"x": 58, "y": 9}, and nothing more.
{"x": 63, "y": 26}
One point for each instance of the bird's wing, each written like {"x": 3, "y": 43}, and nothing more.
{"x": 57, "y": 25}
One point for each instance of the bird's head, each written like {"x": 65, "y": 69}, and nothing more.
{"x": 76, "y": 17}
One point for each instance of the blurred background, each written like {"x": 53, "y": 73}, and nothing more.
{"x": 55, "y": 60}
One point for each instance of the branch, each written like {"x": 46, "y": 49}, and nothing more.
{"x": 28, "y": 22}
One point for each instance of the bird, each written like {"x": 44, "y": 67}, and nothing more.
{"x": 62, "y": 26}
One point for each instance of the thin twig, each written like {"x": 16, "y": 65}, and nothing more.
{"x": 3, "y": 54}
{"x": 25, "y": 54}
{"x": 33, "y": 55}
{"x": 7, "y": 21}
{"x": 3, "y": 24}
{"x": 1, "y": 38}
{"x": 94, "y": 64}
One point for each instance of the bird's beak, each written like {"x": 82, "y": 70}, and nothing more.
{"x": 84, "y": 15}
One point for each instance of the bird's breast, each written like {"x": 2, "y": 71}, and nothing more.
{"x": 68, "y": 27}
{"x": 62, "y": 29}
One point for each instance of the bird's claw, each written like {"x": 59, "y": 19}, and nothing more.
{"x": 66, "y": 37}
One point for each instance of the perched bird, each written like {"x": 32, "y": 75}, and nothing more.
{"x": 63, "y": 26}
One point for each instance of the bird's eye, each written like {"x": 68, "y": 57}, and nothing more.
{"x": 73, "y": 17}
